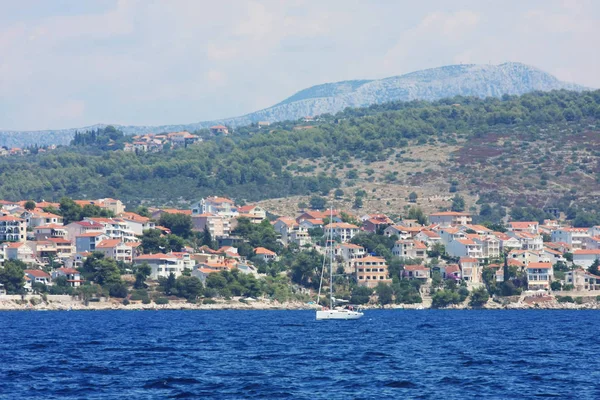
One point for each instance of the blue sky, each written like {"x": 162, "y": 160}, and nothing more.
{"x": 72, "y": 63}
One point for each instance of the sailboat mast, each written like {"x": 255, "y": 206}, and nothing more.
{"x": 331, "y": 260}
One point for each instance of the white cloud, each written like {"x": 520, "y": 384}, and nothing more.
{"x": 439, "y": 30}
{"x": 141, "y": 62}
{"x": 453, "y": 25}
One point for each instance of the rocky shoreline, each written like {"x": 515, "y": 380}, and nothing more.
{"x": 38, "y": 304}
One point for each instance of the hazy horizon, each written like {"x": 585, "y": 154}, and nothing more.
{"x": 70, "y": 64}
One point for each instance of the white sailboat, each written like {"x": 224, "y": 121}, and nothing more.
{"x": 333, "y": 311}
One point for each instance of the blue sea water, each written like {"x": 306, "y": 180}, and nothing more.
{"x": 428, "y": 354}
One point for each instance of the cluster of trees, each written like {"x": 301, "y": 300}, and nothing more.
{"x": 12, "y": 276}
{"x": 256, "y": 235}
{"x": 108, "y": 138}
{"x": 514, "y": 282}
{"x": 448, "y": 292}
{"x": 71, "y": 211}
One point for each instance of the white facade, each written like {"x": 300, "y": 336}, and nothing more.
{"x": 575, "y": 237}
{"x": 216, "y": 205}
{"x": 341, "y": 230}
{"x": 585, "y": 258}
{"x": 490, "y": 246}
{"x": 464, "y": 248}
{"x": 529, "y": 241}
{"x": 409, "y": 249}
{"x": 163, "y": 265}
{"x": 539, "y": 275}
{"x": 12, "y": 229}
{"x": 448, "y": 235}
{"x": 450, "y": 218}
{"x": 349, "y": 252}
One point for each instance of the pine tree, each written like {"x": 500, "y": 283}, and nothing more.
{"x": 207, "y": 238}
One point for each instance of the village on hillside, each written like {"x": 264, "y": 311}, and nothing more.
{"x": 545, "y": 258}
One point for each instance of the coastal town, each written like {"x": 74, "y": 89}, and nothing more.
{"x": 547, "y": 261}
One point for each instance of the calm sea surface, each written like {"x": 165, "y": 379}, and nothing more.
{"x": 287, "y": 354}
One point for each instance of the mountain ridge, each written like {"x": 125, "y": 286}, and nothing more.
{"x": 479, "y": 80}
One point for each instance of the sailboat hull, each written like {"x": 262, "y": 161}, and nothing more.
{"x": 338, "y": 314}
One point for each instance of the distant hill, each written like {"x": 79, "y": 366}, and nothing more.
{"x": 430, "y": 84}
{"x": 538, "y": 153}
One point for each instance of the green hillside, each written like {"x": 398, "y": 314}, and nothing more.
{"x": 539, "y": 149}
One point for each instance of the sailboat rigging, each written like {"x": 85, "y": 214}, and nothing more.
{"x": 332, "y": 312}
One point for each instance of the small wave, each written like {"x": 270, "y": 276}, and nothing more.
{"x": 184, "y": 395}
{"x": 91, "y": 343}
{"x": 471, "y": 363}
{"x": 271, "y": 356}
{"x": 18, "y": 374}
{"x": 45, "y": 369}
{"x": 168, "y": 383}
{"x": 401, "y": 385}
{"x": 252, "y": 386}
{"x": 425, "y": 325}
{"x": 92, "y": 369}
{"x": 450, "y": 380}
{"x": 373, "y": 356}
{"x": 37, "y": 346}
{"x": 547, "y": 395}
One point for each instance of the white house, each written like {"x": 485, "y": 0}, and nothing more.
{"x": 342, "y": 230}
{"x": 582, "y": 280}
{"x": 162, "y": 264}
{"x": 449, "y": 234}
{"x": 265, "y": 254}
{"x": 470, "y": 269}
{"x": 349, "y": 251}
{"x": 416, "y": 271}
{"x": 524, "y": 226}
{"x": 428, "y": 237}
{"x": 529, "y": 241}
{"x": 450, "y": 218}
{"x": 43, "y": 232}
{"x": 507, "y": 242}
{"x": 115, "y": 228}
{"x": 403, "y": 232}
{"x": 284, "y": 226}
{"x": 409, "y": 249}
{"x": 73, "y": 276}
{"x": 255, "y": 213}
{"x": 464, "y": 248}
{"x": 78, "y": 228}
{"x": 530, "y": 256}
{"x": 19, "y": 251}
{"x": 490, "y": 246}
{"x": 38, "y": 276}
{"x": 539, "y": 275}
{"x": 12, "y": 229}
{"x": 34, "y": 218}
{"x": 216, "y": 205}
{"x": 572, "y": 236}
{"x": 585, "y": 258}
{"x": 136, "y": 223}
{"x": 116, "y": 249}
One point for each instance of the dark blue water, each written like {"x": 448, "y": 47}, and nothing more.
{"x": 287, "y": 354}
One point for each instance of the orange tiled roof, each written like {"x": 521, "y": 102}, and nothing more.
{"x": 587, "y": 252}
{"x": 263, "y": 251}
{"x": 540, "y": 265}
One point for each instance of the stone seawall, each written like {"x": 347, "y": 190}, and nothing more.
{"x": 58, "y": 303}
